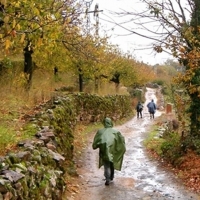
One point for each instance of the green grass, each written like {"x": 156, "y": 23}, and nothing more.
{"x": 29, "y": 130}
{"x": 7, "y": 138}
{"x": 153, "y": 142}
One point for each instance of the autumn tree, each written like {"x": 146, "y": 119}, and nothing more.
{"x": 125, "y": 70}
{"x": 31, "y": 24}
{"x": 84, "y": 53}
{"x": 192, "y": 59}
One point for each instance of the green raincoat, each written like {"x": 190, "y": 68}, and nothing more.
{"x": 111, "y": 144}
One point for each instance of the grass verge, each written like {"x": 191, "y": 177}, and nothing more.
{"x": 153, "y": 142}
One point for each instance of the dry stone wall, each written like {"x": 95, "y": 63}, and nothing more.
{"x": 36, "y": 170}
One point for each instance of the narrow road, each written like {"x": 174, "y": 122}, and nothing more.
{"x": 140, "y": 178}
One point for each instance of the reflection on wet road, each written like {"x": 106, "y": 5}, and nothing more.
{"x": 140, "y": 178}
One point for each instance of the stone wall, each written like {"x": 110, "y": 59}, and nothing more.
{"x": 35, "y": 171}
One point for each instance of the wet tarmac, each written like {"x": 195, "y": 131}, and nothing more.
{"x": 140, "y": 177}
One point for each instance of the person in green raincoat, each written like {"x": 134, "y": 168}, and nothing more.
{"x": 111, "y": 146}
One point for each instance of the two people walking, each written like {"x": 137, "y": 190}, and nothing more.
{"x": 151, "y": 109}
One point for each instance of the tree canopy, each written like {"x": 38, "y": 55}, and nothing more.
{"x": 55, "y": 34}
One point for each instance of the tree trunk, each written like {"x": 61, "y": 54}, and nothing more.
{"x": 80, "y": 79}
{"x": 28, "y": 69}
{"x": 195, "y": 105}
{"x": 96, "y": 85}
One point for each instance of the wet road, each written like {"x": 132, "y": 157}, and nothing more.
{"x": 140, "y": 177}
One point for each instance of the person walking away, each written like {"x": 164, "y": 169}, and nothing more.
{"x": 152, "y": 108}
{"x": 139, "y": 109}
{"x": 111, "y": 146}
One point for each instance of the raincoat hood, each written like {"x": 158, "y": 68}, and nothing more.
{"x": 107, "y": 122}
{"x": 111, "y": 144}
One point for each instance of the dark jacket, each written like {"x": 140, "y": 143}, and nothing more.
{"x": 139, "y": 107}
{"x": 111, "y": 144}
{"x": 151, "y": 107}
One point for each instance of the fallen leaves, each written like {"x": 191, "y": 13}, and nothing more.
{"x": 190, "y": 171}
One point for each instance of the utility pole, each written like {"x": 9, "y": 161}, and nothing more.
{"x": 96, "y": 12}
{"x": 88, "y": 4}
{"x": 96, "y": 17}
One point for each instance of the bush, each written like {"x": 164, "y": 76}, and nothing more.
{"x": 159, "y": 82}
{"x": 191, "y": 142}
{"x": 153, "y": 142}
{"x": 171, "y": 148}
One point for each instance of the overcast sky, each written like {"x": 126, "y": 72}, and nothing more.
{"x": 128, "y": 43}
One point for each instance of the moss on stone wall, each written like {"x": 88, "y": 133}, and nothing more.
{"x": 36, "y": 170}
